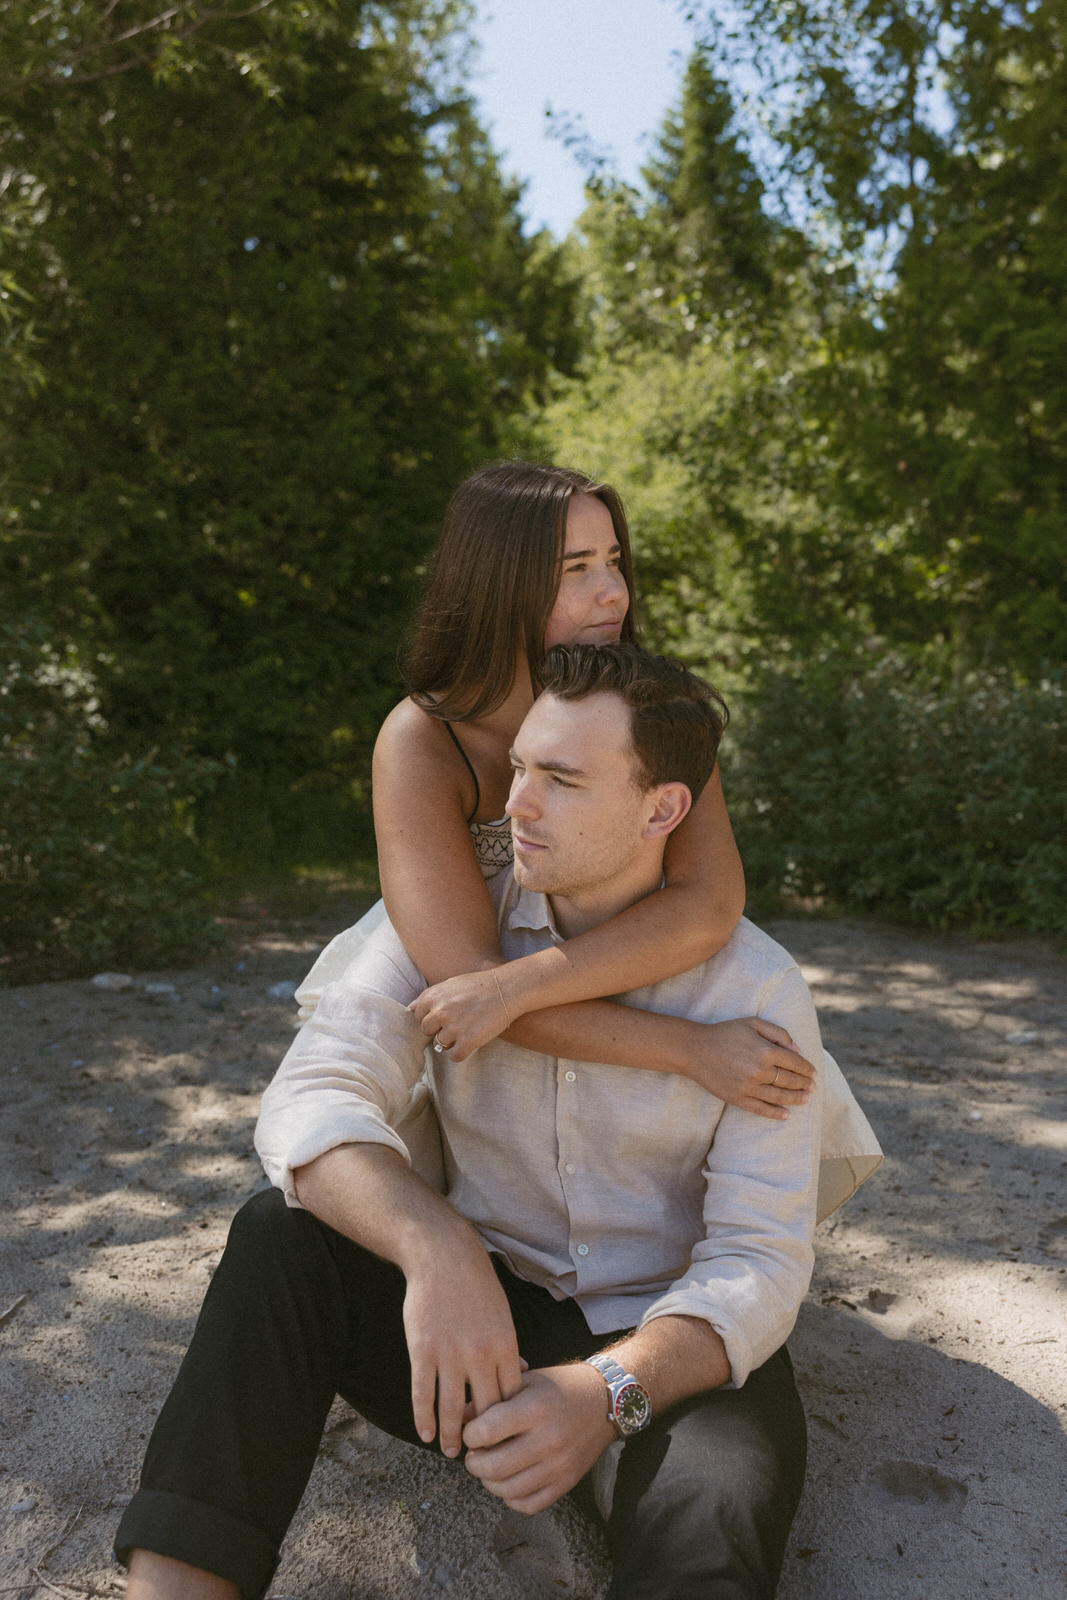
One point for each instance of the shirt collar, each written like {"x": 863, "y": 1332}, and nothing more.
{"x": 524, "y": 908}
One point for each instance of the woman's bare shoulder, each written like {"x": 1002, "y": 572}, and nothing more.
{"x": 409, "y": 731}
{"x": 413, "y": 746}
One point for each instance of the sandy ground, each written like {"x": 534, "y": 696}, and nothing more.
{"x": 932, "y": 1350}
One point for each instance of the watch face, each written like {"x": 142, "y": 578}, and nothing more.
{"x": 632, "y": 1408}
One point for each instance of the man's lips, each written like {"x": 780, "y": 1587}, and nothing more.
{"x": 527, "y": 844}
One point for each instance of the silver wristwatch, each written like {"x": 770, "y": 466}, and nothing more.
{"x": 630, "y": 1409}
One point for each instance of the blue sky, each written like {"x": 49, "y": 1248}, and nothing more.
{"x": 616, "y": 63}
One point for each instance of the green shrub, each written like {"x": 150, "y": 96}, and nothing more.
{"x": 884, "y": 788}
{"x": 99, "y": 865}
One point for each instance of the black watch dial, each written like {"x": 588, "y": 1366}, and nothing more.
{"x": 632, "y": 1408}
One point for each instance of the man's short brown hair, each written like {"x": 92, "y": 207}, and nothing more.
{"x": 676, "y": 720}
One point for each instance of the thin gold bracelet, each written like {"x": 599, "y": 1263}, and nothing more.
{"x": 500, "y": 992}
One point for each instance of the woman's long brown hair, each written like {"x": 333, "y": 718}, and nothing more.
{"x": 493, "y": 583}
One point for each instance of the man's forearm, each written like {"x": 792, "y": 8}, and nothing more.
{"x": 673, "y": 1358}
{"x": 370, "y": 1194}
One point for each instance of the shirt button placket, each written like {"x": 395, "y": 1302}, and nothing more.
{"x": 567, "y": 1127}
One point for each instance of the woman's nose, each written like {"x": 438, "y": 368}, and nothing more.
{"x": 613, "y": 587}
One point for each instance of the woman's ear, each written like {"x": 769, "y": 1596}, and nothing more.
{"x": 671, "y": 802}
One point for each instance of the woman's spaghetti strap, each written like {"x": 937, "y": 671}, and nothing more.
{"x": 474, "y": 776}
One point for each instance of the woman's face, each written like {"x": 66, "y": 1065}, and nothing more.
{"x": 592, "y": 598}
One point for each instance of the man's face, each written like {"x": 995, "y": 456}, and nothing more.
{"x": 577, "y": 816}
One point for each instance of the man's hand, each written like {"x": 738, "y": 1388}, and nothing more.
{"x": 457, "y": 1320}
{"x": 533, "y": 1448}
{"x": 466, "y": 1011}
{"x": 752, "y": 1064}
{"x": 460, "y": 1336}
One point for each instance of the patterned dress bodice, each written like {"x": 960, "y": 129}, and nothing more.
{"x": 492, "y": 845}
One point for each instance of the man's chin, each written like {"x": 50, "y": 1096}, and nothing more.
{"x": 527, "y": 876}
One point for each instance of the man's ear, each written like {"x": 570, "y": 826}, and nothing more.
{"x": 671, "y": 802}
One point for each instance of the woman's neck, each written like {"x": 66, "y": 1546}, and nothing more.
{"x": 493, "y": 732}
{"x": 503, "y": 721}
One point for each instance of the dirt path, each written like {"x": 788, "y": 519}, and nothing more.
{"x": 932, "y": 1350}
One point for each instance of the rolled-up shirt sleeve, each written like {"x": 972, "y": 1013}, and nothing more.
{"x": 349, "y": 1074}
{"x": 749, "y": 1273}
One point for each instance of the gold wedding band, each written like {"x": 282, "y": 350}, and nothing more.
{"x": 774, "y": 1085}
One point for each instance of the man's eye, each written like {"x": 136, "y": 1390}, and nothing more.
{"x": 562, "y": 782}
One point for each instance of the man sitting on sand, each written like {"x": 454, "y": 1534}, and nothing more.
{"x": 603, "y": 1298}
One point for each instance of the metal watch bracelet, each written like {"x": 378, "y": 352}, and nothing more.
{"x": 630, "y": 1408}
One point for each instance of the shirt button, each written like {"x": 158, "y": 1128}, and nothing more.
{"x": 570, "y": 1076}
{"x": 583, "y": 1249}
{"x": 569, "y": 1169}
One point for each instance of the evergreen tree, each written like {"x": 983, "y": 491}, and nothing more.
{"x": 928, "y": 135}
{"x": 282, "y": 303}
{"x": 707, "y": 324}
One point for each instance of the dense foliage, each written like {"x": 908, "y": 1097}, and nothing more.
{"x": 886, "y": 789}
{"x": 282, "y": 302}
{"x": 97, "y": 855}
{"x": 927, "y": 139}
{"x": 831, "y": 385}
{"x": 265, "y": 296}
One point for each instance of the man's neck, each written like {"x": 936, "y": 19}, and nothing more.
{"x": 575, "y": 914}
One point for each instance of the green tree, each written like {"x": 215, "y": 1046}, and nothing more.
{"x": 843, "y": 450}
{"x": 975, "y": 348}
{"x": 283, "y": 300}
{"x": 709, "y": 328}
{"x": 927, "y": 135}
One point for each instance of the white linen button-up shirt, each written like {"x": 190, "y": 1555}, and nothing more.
{"x": 637, "y": 1194}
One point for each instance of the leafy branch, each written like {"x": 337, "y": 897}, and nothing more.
{"x": 179, "y": 22}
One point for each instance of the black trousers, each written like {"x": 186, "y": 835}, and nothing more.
{"x": 700, "y": 1504}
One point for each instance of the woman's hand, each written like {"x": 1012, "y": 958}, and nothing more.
{"x": 463, "y": 1013}
{"x": 752, "y": 1064}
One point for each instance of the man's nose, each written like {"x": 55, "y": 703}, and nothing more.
{"x": 520, "y": 801}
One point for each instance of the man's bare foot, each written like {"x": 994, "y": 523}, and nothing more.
{"x": 154, "y": 1577}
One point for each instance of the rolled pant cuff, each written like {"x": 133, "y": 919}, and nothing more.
{"x": 200, "y": 1535}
